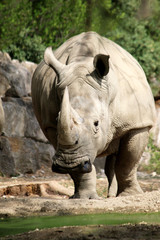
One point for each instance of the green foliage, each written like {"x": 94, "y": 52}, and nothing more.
{"x": 27, "y": 27}
{"x": 14, "y": 15}
{"x": 59, "y": 20}
{"x": 99, "y": 16}
{"x": 139, "y": 35}
{"x": 154, "y": 165}
{"x": 27, "y": 47}
{"x": 17, "y": 37}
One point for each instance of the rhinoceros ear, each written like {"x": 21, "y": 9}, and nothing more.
{"x": 101, "y": 64}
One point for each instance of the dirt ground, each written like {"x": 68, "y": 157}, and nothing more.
{"x": 100, "y": 232}
{"x": 34, "y": 195}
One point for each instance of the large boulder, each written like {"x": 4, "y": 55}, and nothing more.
{"x": 4, "y": 57}
{"x": 30, "y": 67}
{"x": 4, "y": 86}
{"x": 20, "y": 119}
{"x": 23, "y": 146}
{"x": 18, "y": 78}
{"x": 20, "y": 155}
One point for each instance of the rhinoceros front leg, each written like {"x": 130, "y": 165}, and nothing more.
{"x": 131, "y": 148}
{"x": 110, "y": 173}
{"x": 85, "y": 185}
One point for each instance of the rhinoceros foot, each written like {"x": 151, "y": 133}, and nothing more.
{"x": 86, "y": 195}
{"x": 133, "y": 190}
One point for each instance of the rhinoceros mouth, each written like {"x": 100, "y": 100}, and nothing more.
{"x": 81, "y": 165}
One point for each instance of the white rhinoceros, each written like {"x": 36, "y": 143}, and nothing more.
{"x": 91, "y": 98}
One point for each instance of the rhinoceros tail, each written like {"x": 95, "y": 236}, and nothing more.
{"x": 51, "y": 61}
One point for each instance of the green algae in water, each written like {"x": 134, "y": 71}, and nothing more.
{"x": 11, "y": 226}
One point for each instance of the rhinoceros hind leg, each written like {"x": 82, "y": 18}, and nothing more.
{"x": 85, "y": 185}
{"x": 131, "y": 148}
{"x": 110, "y": 173}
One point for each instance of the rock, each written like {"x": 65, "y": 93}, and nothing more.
{"x": 4, "y": 85}
{"x": 20, "y": 119}
{"x": 30, "y": 66}
{"x": 7, "y": 164}
{"x": 23, "y": 148}
{"x": 153, "y": 174}
{"x": 18, "y": 77}
{"x": 23, "y": 155}
{"x": 4, "y": 57}
{"x": 14, "y": 117}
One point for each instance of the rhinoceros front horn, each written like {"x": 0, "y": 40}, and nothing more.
{"x": 51, "y": 61}
{"x": 68, "y": 122}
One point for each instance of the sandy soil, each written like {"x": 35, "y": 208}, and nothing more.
{"x": 34, "y": 196}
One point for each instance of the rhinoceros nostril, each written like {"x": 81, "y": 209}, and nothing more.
{"x": 76, "y": 142}
{"x": 86, "y": 162}
{"x": 87, "y": 166}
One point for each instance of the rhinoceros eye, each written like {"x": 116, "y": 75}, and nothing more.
{"x": 96, "y": 123}
{"x": 96, "y": 126}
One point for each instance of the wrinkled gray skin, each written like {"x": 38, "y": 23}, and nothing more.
{"x": 91, "y": 98}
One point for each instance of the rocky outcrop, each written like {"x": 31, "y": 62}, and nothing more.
{"x": 20, "y": 119}
{"x": 23, "y": 146}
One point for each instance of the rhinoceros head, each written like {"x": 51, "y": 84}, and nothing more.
{"x": 82, "y": 120}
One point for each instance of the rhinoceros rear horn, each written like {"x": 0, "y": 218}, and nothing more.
{"x": 101, "y": 64}
{"x": 51, "y": 61}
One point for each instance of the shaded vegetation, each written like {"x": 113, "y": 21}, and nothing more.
{"x": 154, "y": 162}
{"x": 27, "y": 27}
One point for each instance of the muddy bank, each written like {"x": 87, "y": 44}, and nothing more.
{"x": 127, "y": 232}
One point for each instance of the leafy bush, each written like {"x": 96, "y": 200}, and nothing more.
{"x": 59, "y": 20}
{"x": 30, "y": 48}
{"x": 17, "y": 38}
{"x": 15, "y": 15}
{"x": 139, "y": 36}
{"x": 26, "y": 26}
